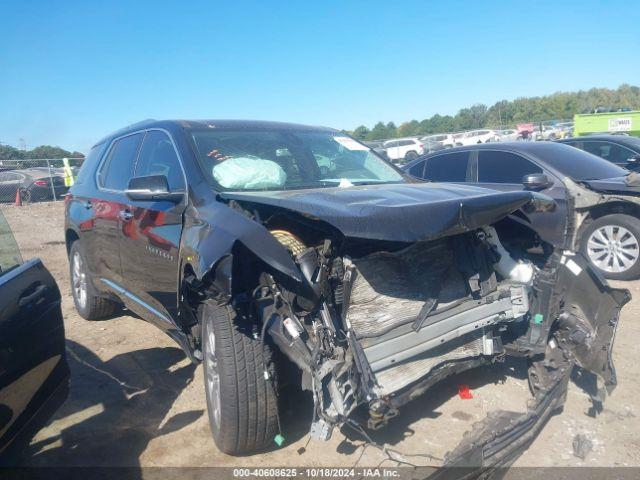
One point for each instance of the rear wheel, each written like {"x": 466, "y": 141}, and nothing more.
{"x": 241, "y": 397}
{"x": 88, "y": 303}
{"x": 612, "y": 245}
{"x": 409, "y": 156}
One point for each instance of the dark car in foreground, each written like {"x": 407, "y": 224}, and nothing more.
{"x": 595, "y": 199}
{"x": 34, "y": 375}
{"x": 284, "y": 254}
{"x": 623, "y": 150}
{"x": 34, "y": 184}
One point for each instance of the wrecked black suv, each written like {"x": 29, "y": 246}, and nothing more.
{"x": 256, "y": 245}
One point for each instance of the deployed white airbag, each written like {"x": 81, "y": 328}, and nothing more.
{"x": 249, "y": 173}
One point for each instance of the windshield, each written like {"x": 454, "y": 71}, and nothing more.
{"x": 633, "y": 142}
{"x": 288, "y": 160}
{"x": 580, "y": 165}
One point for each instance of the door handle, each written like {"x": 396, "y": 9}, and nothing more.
{"x": 36, "y": 294}
{"x": 125, "y": 215}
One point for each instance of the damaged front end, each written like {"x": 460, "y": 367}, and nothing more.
{"x": 376, "y": 323}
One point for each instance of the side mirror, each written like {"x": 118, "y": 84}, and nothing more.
{"x": 152, "y": 188}
{"x": 535, "y": 181}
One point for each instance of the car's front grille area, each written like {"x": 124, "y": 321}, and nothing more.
{"x": 391, "y": 288}
{"x": 399, "y": 376}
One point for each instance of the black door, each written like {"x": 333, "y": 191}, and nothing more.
{"x": 33, "y": 368}
{"x": 504, "y": 171}
{"x": 150, "y": 238}
{"x": 108, "y": 209}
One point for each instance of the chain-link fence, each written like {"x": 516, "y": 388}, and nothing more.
{"x": 37, "y": 180}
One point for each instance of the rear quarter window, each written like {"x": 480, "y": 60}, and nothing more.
{"x": 90, "y": 163}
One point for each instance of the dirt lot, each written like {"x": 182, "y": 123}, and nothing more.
{"x": 135, "y": 399}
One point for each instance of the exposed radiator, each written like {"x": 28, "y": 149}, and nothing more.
{"x": 391, "y": 288}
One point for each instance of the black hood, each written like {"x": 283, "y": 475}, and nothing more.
{"x": 628, "y": 185}
{"x": 398, "y": 212}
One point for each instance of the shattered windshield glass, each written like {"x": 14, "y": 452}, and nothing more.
{"x": 288, "y": 160}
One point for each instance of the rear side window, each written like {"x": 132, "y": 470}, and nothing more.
{"x": 451, "y": 167}
{"x": 158, "y": 157}
{"x": 118, "y": 167}
{"x": 503, "y": 167}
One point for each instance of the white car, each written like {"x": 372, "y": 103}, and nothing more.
{"x": 508, "y": 135}
{"x": 477, "y": 136}
{"x": 442, "y": 140}
{"x": 403, "y": 149}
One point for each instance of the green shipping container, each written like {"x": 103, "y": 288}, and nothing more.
{"x": 627, "y": 122}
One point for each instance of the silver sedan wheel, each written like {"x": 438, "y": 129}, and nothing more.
{"x": 212, "y": 374}
{"x": 613, "y": 248}
{"x": 79, "y": 280}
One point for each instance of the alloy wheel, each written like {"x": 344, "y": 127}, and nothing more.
{"x": 613, "y": 248}
{"x": 79, "y": 280}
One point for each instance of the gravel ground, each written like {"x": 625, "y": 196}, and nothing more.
{"x": 136, "y": 401}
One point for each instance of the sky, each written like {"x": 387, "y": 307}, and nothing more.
{"x": 73, "y": 71}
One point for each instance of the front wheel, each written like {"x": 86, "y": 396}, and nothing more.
{"x": 612, "y": 245}
{"x": 241, "y": 396}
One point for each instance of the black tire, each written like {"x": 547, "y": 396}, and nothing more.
{"x": 94, "y": 307}
{"x": 616, "y": 221}
{"x": 247, "y": 417}
{"x": 409, "y": 156}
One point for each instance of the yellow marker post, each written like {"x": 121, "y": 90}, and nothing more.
{"x": 68, "y": 173}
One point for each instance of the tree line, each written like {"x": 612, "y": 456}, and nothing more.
{"x": 505, "y": 113}
{"x": 7, "y": 152}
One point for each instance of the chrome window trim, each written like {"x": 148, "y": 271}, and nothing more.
{"x": 143, "y": 131}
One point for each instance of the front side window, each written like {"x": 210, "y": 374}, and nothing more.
{"x": 158, "y": 157}
{"x": 451, "y": 167}
{"x": 417, "y": 170}
{"x": 9, "y": 252}
{"x": 118, "y": 167}
{"x": 287, "y": 159}
{"x": 503, "y": 167}
{"x": 609, "y": 151}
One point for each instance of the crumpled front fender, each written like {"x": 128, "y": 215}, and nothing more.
{"x": 589, "y": 317}
{"x": 213, "y": 234}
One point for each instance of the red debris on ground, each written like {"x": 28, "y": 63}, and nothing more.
{"x": 464, "y": 392}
